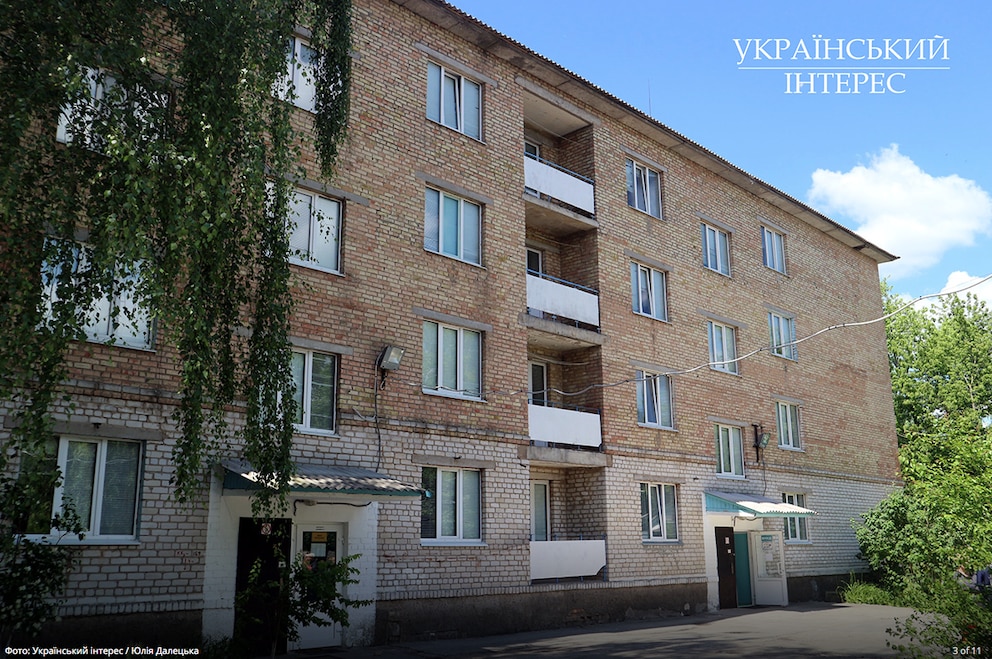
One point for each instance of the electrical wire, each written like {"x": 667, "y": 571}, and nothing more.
{"x": 687, "y": 371}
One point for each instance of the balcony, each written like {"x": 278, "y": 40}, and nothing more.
{"x": 562, "y": 559}
{"x": 564, "y": 301}
{"x": 560, "y": 202}
{"x": 562, "y": 426}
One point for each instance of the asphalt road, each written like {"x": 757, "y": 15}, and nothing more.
{"x": 838, "y": 631}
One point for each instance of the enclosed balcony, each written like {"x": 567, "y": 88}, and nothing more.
{"x": 565, "y": 559}
{"x": 564, "y": 426}
{"x": 562, "y": 300}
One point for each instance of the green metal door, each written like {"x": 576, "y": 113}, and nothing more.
{"x": 742, "y": 565}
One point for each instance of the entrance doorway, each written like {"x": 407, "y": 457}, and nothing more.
{"x": 262, "y": 568}
{"x": 726, "y": 567}
{"x": 742, "y": 564}
{"x": 317, "y": 543}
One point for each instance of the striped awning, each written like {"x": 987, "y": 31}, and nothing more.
{"x": 239, "y": 475}
{"x": 752, "y": 505}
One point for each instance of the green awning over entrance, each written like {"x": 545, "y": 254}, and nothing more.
{"x": 239, "y": 475}
{"x": 752, "y": 505}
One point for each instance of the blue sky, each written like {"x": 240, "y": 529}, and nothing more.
{"x": 909, "y": 171}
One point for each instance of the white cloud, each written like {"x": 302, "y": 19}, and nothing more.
{"x": 904, "y": 210}
{"x": 959, "y": 279}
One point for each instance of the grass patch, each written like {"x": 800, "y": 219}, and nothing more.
{"x": 862, "y": 592}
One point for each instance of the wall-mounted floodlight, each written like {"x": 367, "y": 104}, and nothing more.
{"x": 390, "y": 358}
{"x": 761, "y": 439}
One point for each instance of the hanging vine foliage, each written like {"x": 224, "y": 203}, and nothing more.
{"x": 144, "y": 156}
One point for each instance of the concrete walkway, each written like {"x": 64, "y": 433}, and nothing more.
{"x": 838, "y": 631}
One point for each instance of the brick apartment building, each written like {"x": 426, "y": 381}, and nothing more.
{"x": 569, "y": 435}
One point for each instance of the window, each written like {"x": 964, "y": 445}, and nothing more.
{"x": 654, "y": 400}
{"x": 782, "y": 330}
{"x": 659, "y": 519}
{"x": 723, "y": 347}
{"x": 787, "y": 416}
{"x": 84, "y": 121}
{"x": 649, "y": 291}
{"x": 729, "y": 451}
{"x": 535, "y": 261}
{"x": 100, "y": 478}
{"x": 315, "y": 231}
{"x": 538, "y": 384}
{"x": 315, "y": 375}
{"x": 453, "y": 226}
{"x": 540, "y": 511}
{"x": 643, "y": 189}
{"x": 716, "y": 249}
{"x": 298, "y": 86}
{"x": 116, "y": 316}
{"x": 451, "y": 504}
{"x": 452, "y": 361}
{"x": 795, "y": 526}
{"x": 454, "y": 101}
{"x": 773, "y": 249}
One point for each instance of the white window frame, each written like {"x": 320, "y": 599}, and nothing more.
{"x": 789, "y": 423}
{"x": 467, "y": 501}
{"x": 716, "y": 248}
{"x": 464, "y": 361}
{"x": 101, "y": 82}
{"x": 773, "y": 249}
{"x": 653, "y": 283}
{"x": 782, "y": 335}
{"x": 438, "y": 226}
{"x": 538, "y": 387}
{"x": 722, "y": 340}
{"x": 659, "y": 514}
{"x": 641, "y": 195}
{"x": 650, "y": 400}
{"x": 319, "y": 234}
{"x": 796, "y": 529}
{"x": 305, "y": 391}
{"x": 540, "y": 533}
{"x": 99, "y": 491}
{"x": 448, "y": 96}
{"x": 298, "y": 85}
{"x": 114, "y": 317}
{"x": 537, "y": 256}
{"x": 729, "y": 451}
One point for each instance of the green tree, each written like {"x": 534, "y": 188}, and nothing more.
{"x": 917, "y": 538}
{"x": 172, "y": 163}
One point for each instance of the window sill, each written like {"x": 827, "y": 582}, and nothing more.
{"x": 644, "y": 315}
{"x": 657, "y": 542}
{"x": 717, "y": 272}
{"x": 798, "y": 542}
{"x": 660, "y": 218}
{"x": 656, "y": 427}
{"x": 736, "y": 374}
{"x": 794, "y": 449}
{"x": 781, "y": 272}
{"x": 316, "y": 432}
{"x": 315, "y": 267}
{"x": 452, "y": 543}
{"x": 455, "y": 130}
{"x": 74, "y": 541}
{"x": 455, "y": 258}
{"x": 453, "y": 394}
{"x": 116, "y": 344}
{"x": 734, "y": 477}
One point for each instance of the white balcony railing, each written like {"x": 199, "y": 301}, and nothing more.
{"x": 559, "y": 559}
{"x": 560, "y": 299}
{"x": 559, "y": 184}
{"x": 564, "y": 426}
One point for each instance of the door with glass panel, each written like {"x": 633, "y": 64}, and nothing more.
{"x": 540, "y": 510}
